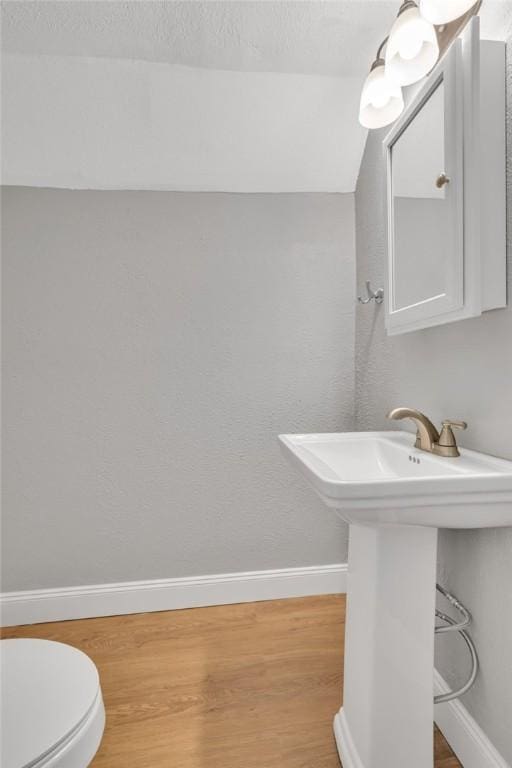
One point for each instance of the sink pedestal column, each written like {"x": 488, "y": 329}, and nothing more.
{"x": 388, "y": 700}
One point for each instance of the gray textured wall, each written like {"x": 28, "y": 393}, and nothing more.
{"x": 462, "y": 370}
{"x": 155, "y": 345}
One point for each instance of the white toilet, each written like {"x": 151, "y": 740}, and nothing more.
{"x": 52, "y": 713}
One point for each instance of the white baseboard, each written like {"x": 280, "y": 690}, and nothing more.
{"x": 463, "y": 733}
{"x": 41, "y": 605}
{"x": 346, "y": 747}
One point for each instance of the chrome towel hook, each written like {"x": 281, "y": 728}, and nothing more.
{"x": 376, "y": 296}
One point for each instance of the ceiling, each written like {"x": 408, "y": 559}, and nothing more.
{"x": 318, "y": 37}
{"x": 240, "y": 95}
{"x": 309, "y": 37}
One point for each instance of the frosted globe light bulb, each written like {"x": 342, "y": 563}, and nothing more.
{"x": 381, "y": 100}
{"x": 444, "y": 11}
{"x": 412, "y": 49}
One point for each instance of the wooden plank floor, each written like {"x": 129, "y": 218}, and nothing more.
{"x": 241, "y": 686}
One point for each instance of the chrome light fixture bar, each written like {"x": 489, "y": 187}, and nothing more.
{"x": 443, "y": 11}
{"x": 420, "y": 34}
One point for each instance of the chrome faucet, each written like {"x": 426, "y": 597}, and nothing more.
{"x": 427, "y": 437}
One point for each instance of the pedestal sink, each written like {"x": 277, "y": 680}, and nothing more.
{"x": 395, "y": 497}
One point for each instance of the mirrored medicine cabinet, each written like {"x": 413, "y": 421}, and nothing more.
{"x": 445, "y": 165}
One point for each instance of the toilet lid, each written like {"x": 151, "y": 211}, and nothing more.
{"x": 47, "y": 689}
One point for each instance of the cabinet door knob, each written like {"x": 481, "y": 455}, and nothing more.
{"x": 441, "y": 180}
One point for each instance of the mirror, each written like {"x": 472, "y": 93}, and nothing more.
{"x": 419, "y": 205}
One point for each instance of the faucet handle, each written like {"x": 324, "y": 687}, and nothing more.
{"x": 452, "y": 423}
{"x": 447, "y": 445}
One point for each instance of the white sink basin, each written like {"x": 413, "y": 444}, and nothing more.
{"x": 395, "y": 497}
{"x": 380, "y": 477}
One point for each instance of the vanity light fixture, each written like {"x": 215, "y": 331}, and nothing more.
{"x": 381, "y": 100}
{"x": 444, "y": 11}
{"x": 417, "y": 38}
{"x": 412, "y": 49}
